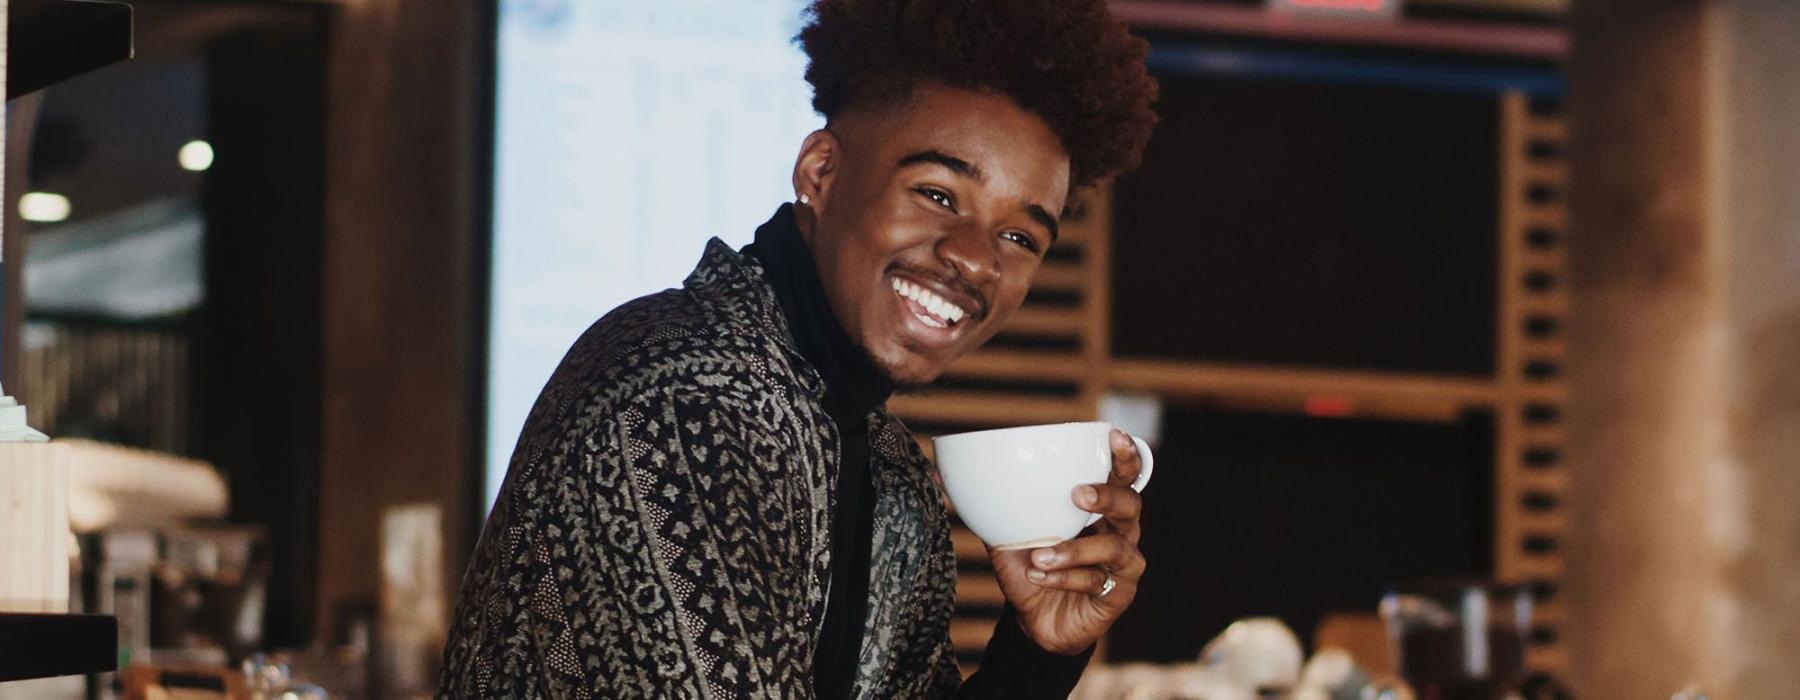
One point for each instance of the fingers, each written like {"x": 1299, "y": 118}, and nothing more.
{"x": 1109, "y": 551}
{"x": 1118, "y": 505}
{"x": 1089, "y": 580}
{"x": 1126, "y": 463}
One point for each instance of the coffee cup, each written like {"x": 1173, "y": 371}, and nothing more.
{"x": 1014, "y": 487}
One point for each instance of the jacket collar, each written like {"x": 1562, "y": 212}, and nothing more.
{"x": 735, "y": 289}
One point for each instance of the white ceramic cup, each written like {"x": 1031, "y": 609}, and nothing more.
{"x": 1015, "y": 487}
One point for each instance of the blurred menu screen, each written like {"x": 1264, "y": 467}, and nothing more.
{"x": 626, "y": 135}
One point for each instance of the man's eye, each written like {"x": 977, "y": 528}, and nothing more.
{"x": 939, "y": 196}
{"x": 1022, "y": 239}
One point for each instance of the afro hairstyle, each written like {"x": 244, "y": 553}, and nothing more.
{"x": 1070, "y": 62}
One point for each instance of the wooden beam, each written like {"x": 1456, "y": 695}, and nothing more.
{"x": 1012, "y": 364}
{"x": 979, "y": 589}
{"x": 979, "y": 409}
{"x": 971, "y": 634}
{"x": 1200, "y": 380}
{"x": 1037, "y": 320}
{"x": 1061, "y": 277}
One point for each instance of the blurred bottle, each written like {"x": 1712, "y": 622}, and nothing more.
{"x": 1458, "y": 639}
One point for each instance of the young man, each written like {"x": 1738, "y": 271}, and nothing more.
{"x": 710, "y": 499}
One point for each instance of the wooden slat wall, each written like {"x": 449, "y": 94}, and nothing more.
{"x": 1526, "y": 394}
{"x": 1529, "y": 482}
{"x": 1006, "y": 385}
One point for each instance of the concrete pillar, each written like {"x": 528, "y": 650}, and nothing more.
{"x": 1685, "y": 349}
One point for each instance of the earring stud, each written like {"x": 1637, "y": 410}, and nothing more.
{"x": 805, "y": 200}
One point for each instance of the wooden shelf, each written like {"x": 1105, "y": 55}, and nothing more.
{"x": 41, "y": 646}
{"x": 1202, "y": 380}
{"x": 1495, "y": 39}
{"x": 1015, "y": 364}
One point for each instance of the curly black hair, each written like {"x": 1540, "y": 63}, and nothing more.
{"x": 1070, "y": 62}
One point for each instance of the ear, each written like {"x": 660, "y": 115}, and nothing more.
{"x": 816, "y": 168}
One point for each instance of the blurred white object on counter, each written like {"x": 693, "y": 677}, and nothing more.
{"x": 1331, "y": 674}
{"x": 34, "y": 516}
{"x": 1257, "y": 653}
{"x": 113, "y": 485}
{"x": 412, "y": 600}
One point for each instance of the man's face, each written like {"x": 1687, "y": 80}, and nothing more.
{"x": 928, "y": 221}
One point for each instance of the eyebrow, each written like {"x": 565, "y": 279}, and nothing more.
{"x": 953, "y": 163}
{"x": 1043, "y": 217}
{"x": 968, "y": 170}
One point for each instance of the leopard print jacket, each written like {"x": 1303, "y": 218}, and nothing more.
{"x": 663, "y": 527}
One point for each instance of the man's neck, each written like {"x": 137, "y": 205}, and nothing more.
{"x": 854, "y": 384}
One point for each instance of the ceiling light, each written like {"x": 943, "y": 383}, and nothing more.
{"x": 43, "y": 207}
{"x": 195, "y": 155}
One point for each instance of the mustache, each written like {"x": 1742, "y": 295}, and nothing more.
{"x": 955, "y": 284}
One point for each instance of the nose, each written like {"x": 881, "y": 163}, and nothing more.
{"x": 970, "y": 251}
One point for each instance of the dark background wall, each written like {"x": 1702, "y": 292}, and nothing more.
{"x": 255, "y": 364}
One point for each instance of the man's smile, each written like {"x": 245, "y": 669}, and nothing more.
{"x": 933, "y": 313}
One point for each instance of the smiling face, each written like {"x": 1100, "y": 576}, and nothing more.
{"x": 928, "y": 220}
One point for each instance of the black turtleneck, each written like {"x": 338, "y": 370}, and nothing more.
{"x": 1014, "y": 666}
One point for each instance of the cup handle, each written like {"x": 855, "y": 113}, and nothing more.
{"x": 1143, "y": 478}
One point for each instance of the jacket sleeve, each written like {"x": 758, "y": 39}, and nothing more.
{"x": 653, "y": 552}
{"x": 1014, "y": 666}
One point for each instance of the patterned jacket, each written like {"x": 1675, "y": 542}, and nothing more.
{"x": 664, "y": 526}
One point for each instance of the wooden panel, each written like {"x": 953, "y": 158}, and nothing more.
{"x": 1545, "y": 436}
{"x": 1547, "y": 523}
{"x": 1187, "y": 378}
{"x": 1546, "y": 259}
{"x": 1520, "y": 257}
{"x": 984, "y": 409}
{"x": 979, "y": 589}
{"x": 1545, "y": 347}
{"x": 1061, "y": 277}
{"x": 1547, "y": 658}
{"x": 1545, "y": 304}
{"x": 1555, "y": 130}
{"x": 1546, "y": 217}
{"x": 1549, "y": 480}
{"x": 1047, "y": 321}
{"x": 1548, "y": 392}
{"x": 1012, "y": 364}
{"x": 1553, "y": 174}
{"x": 1541, "y": 567}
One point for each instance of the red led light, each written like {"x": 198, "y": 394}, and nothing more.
{"x": 1329, "y": 407}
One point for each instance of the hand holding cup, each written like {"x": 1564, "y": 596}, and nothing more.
{"x": 1028, "y": 493}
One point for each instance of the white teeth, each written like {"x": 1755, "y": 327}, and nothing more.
{"x": 943, "y": 313}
